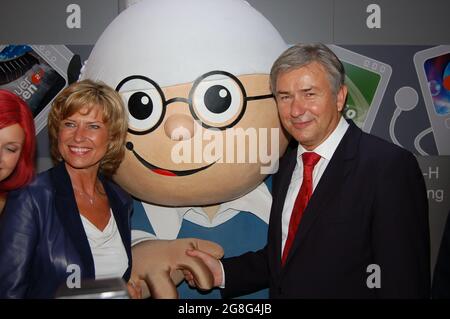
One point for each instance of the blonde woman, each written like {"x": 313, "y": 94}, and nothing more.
{"x": 71, "y": 216}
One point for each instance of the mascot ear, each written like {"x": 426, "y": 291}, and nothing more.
{"x": 74, "y": 68}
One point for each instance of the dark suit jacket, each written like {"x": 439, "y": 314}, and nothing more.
{"x": 370, "y": 207}
{"x": 441, "y": 277}
{"x": 41, "y": 233}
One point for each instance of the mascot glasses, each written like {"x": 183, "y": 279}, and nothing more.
{"x": 217, "y": 100}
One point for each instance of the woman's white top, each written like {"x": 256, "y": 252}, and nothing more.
{"x": 108, "y": 251}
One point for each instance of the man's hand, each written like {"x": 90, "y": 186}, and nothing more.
{"x": 158, "y": 265}
{"x": 134, "y": 290}
{"x": 211, "y": 262}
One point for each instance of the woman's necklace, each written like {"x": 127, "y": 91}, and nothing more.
{"x": 91, "y": 199}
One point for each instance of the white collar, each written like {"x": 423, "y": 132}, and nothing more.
{"x": 329, "y": 146}
{"x": 166, "y": 221}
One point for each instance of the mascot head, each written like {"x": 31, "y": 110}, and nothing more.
{"x": 194, "y": 76}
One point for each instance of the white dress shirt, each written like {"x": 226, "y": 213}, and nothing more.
{"x": 326, "y": 151}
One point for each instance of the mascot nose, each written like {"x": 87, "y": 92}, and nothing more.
{"x": 179, "y": 127}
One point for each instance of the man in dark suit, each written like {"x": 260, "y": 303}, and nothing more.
{"x": 441, "y": 277}
{"x": 349, "y": 216}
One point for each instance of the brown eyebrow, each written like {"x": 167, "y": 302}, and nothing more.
{"x": 94, "y": 122}
{"x": 307, "y": 89}
{"x": 88, "y": 123}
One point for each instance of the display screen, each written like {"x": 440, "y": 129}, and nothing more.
{"x": 437, "y": 70}
{"x": 28, "y": 75}
{"x": 362, "y": 85}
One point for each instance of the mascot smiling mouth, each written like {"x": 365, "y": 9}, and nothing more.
{"x": 162, "y": 171}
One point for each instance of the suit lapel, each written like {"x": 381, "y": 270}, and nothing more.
{"x": 334, "y": 176}
{"x": 120, "y": 218}
{"x": 69, "y": 216}
{"x": 287, "y": 166}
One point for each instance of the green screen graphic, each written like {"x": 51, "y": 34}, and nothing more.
{"x": 362, "y": 85}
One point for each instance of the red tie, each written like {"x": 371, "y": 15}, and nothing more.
{"x": 310, "y": 160}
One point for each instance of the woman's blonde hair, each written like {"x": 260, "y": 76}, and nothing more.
{"x": 89, "y": 94}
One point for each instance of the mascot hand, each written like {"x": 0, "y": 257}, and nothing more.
{"x": 158, "y": 265}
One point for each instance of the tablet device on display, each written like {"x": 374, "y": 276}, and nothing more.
{"x": 433, "y": 70}
{"x": 36, "y": 73}
{"x": 366, "y": 80}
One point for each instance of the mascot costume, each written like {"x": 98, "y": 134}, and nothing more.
{"x": 204, "y": 132}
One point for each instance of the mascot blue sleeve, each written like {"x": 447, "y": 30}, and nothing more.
{"x": 233, "y": 235}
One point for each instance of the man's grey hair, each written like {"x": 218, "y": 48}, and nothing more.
{"x": 301, "y": 55}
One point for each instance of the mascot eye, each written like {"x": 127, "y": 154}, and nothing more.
{"x": 144, "y": 102}
{"x": 217, "y": 100}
